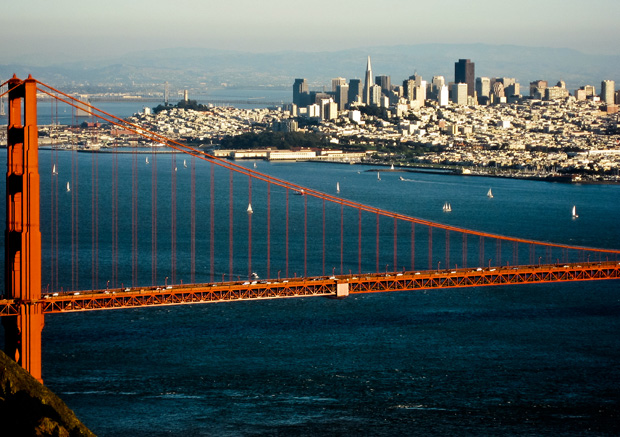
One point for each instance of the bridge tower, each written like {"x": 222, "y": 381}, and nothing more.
{"x": 23, "y": 236}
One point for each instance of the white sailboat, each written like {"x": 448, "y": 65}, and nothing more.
{"x": 147, "y": 159}
{"x": 184, "y": 163}
{"x": 250, "y": 211}
{"x": 575, "y": 212}
{"x": 392, "y": 167}
{"x": 254, "y": 165}
{"x": 54, "y": 169}
{"x": 447, "y": 207}
{"x": 68, "y": 189}
{"x": 490, "y": 194}
{"x": 378, "y": 176}
{"x": 337, "y": 187}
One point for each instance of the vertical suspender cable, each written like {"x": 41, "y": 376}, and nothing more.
{"x": 230, "y": 225}
{"x": 395, "y": 244}
{"x": 286, "y": 234}
{"x": 250, "y": 226}
{"x": 268, "y": 229}
{"x": 212, "y": 224}
{"x": 377, "y": 245}
{"x": 134, "y": 218}
{"x": 323, "y": 269}
{"x": 153, "y": 217}
{"x": 193, "y": 223}
{"x": 447, "y": 249}
{"x": 430, "y": 247}
{"x": 464, "y": 250}
{"x": 412, "y": 246}
{"x": 341, "y": 237}
{"x": 305, "y": 235}
{"x": 173, "y": 221}
{"x": 359, "y": 240}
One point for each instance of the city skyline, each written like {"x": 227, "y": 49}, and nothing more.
{"x": 68, "y": 30}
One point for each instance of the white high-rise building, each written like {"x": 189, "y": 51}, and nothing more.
{"x": 608, "y": 91}
{"x": 368, "y": 83}
{"x": 443, "y": 96}
{"x": 459, "y": 93}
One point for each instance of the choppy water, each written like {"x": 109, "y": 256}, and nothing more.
{"x": 510, "y": 360}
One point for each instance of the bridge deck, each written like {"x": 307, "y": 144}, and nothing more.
{"x": 317, "y": 286}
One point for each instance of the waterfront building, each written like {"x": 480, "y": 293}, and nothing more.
{"x": 464, "y": 72}
{"x": 355, "y": 91}
{"x": 368, "y": 83}
{"x": 459, "y": 93}
{"x": 301, "y": 95}
{"x": 608, "y": 91}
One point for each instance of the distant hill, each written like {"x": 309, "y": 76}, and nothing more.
{"x": 194, "y": 67}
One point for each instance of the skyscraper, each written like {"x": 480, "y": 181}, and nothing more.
{"x": 355, "y": 91}
{"x": 337, "y": 82}
{"x": 464, "y": 73}
{"x": 385, "y": 83}
{"x": 608, "y": 91}
{"x": 483, "y": 89}
{"x": 300, "y": 92}
{"x": 368, "y": 83}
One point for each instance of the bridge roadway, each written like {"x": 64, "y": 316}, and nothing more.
{"x": 334, "y": 286}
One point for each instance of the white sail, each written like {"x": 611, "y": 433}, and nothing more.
{"x": 337, "y": 187}
{"x": 254, "y": 165}
{"x": 147, "y": 159}
{"x": 250, "y": 211}
{"x": 184, "y": 163}
{"x": 68, "y": 189}
{"x": 54, "y": 169}
{"x": 490, "y": 194}
{"x": 378, "y": 176}
{"x": 575, "y": 212}
{"x": 392, "y": 167}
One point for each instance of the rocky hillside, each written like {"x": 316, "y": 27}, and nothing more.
{"x": 28, "y": 408}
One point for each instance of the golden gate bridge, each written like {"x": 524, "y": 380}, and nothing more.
{"x": 339, "y": 246}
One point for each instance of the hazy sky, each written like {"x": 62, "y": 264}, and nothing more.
{"x": 88, "y": 28}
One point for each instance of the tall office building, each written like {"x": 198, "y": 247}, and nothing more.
{"x": 356, "y": 91}
{"x": 436, "y": 83}
{"x": 385, "y": 82}
{"x": 342, "y": 96}
{"x": 483, "y": 89}
{"x": 300, "y": 93}
{"x": 368, "y": 83}
{"x": 459, "y": 93}
{"x": 537, "y": 89}
{"x": 608, "y": 91}
{"x": 464, "y": 73}
{"x": 409, "y": 89}
{"x": 337, "y": 82}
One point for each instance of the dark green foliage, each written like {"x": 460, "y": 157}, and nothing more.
{"x": 274, "y": 140}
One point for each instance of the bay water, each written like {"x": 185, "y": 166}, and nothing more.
{"x": 506, "y": 360}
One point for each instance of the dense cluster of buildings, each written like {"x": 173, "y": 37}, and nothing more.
{"x": 414, "y": 93}
{"x": 479, "y": 124}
